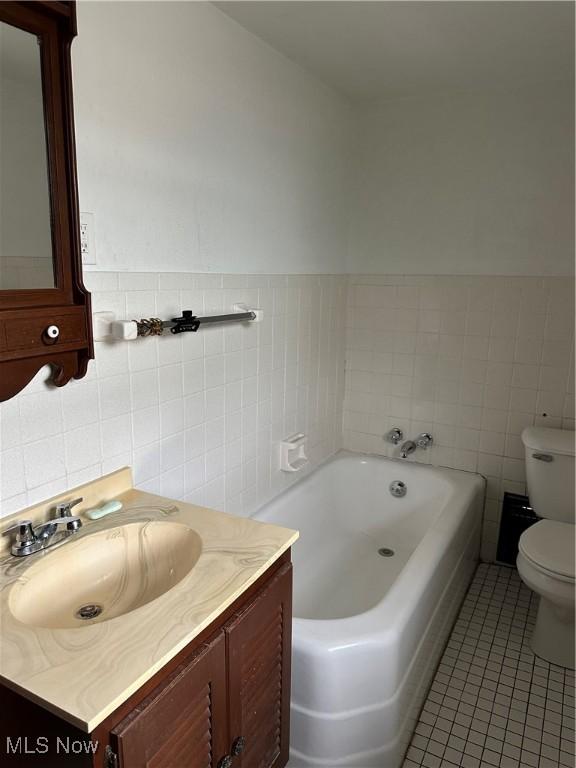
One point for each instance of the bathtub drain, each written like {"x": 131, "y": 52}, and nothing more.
{"x": 398, "y": 489}
{"x": 385, "y": 552}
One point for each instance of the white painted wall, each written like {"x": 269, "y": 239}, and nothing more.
{"x": 466, "y": 183}
{"x": 202, "y": 149}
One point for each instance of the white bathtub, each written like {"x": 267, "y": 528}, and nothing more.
{"x": 369, "y": 630}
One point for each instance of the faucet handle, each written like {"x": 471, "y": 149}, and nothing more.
{"x": 64, "y": 508}
{"x": 24, "y": 531}
{"x": 71, "y": 522}
{"x": 424, "y": 440}
{"x": 394, "y": 436}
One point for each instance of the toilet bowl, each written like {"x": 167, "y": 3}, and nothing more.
{"x": 546, "y": 565}
{"x": 546, "y": 550}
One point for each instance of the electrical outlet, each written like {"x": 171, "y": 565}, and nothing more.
{"x": 87, "y": 239}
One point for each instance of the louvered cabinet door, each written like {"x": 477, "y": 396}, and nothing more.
{"x": 183, "y": 723}
{"x": 259, "y": 647}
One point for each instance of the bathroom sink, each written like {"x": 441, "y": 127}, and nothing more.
{"x": 105, "y": 574}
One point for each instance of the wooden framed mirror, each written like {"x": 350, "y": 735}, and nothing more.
{"x": 44, "y": 307}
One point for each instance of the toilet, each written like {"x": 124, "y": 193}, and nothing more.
{"x": 546, "y": 550}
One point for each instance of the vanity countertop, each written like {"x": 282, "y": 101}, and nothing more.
{"x": 83, "y": 674}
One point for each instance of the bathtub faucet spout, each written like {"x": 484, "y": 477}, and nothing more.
{"x": 407, "y": 448}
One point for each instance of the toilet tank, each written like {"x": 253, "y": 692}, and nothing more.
{"x": 550, "y": 472}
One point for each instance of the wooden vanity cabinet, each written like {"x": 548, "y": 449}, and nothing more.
{"x": 183, "y": 721}
{"x": 258, "y": 645}
{"x": 228, "y": 704}
{"x": 222, "y": 702}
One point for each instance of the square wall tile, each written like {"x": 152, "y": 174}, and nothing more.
{"x": 198, "y": 416}
{"x": 476, "y": 374}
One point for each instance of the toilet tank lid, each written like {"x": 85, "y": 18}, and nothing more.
{"x": 559, "y": 441}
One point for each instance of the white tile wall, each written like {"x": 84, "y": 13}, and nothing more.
{"x": 473, "y": 360}
{"x": 198, "y": 416}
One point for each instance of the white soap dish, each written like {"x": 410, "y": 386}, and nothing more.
{"x": 293, "y": 454}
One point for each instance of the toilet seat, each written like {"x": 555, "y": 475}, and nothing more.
{"x": 549, "y": 546}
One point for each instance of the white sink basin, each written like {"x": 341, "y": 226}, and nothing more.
{"x": 105, "y": 574}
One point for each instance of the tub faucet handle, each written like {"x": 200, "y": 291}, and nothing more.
{"x": 424, "y": 440}
{"x": 394, "y": 436}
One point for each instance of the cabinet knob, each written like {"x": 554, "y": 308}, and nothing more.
{"x": 238, "y": 746}
{"x": 225, "y": 762}
{"x": 51, "y": 333}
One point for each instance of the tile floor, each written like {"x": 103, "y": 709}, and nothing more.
{"x": 493, "y": 704}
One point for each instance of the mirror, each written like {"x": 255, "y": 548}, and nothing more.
{"x": 45, "y": 314}
{"x": 25, "y": 223}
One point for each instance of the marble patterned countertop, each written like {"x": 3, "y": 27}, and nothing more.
{"x": 83, "y": 674}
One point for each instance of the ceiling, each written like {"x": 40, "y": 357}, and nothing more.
{"x": 380, "y": 50}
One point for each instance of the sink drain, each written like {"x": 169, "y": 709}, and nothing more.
{"x": 385, "y": 552}
{"x": 89, "y": 611}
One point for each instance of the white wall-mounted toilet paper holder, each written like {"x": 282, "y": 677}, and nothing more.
{"x": 292, "y": 453}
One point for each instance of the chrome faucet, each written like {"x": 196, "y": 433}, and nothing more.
{"x": 423, "y": 441}
{"x": 30, "y": 539}
{"x": 407, "y": 448}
